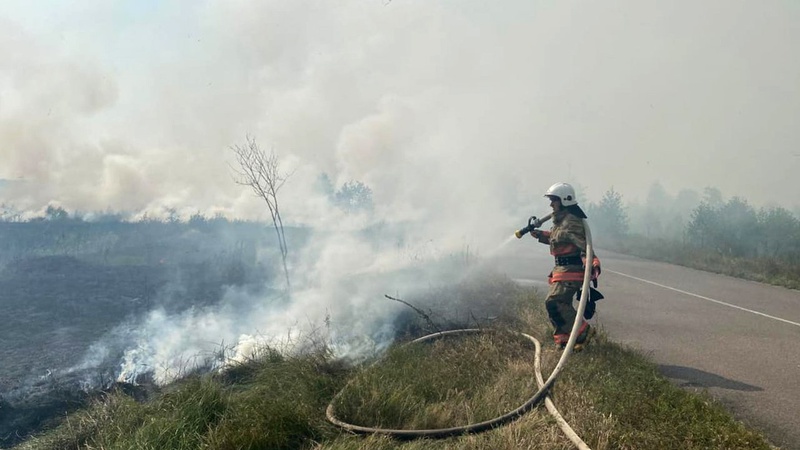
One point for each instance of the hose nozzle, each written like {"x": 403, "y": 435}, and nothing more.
{"x": 533, "y": 223}
{"x": 523, "y": 231}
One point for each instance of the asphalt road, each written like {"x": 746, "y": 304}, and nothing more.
{"x": 737, "y": 339}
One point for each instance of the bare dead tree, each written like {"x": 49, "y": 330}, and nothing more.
{"x": 260, "y": 172}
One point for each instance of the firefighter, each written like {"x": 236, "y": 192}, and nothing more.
{"x": 567, "y": 241}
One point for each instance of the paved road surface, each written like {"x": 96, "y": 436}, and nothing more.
{"x": 738, "y": 339}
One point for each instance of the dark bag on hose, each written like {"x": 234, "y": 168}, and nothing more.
{"x": 591, "y": 306}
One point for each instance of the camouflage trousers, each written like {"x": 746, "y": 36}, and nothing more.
{"x": 559, "y": 305}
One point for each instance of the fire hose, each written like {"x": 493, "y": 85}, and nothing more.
{"x": 544, "y": 385}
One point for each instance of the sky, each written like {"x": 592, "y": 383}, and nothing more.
{"x": 446, "y": 106}
{"x": 458, "y": 114}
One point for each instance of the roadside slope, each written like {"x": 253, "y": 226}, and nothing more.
{"x": 613, "y": 397}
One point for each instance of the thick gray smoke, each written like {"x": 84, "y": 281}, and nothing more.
{"x": 457, "y": 114}
{"x": 446, "y": 106}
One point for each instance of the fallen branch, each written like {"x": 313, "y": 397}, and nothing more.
{"x": 418, "y": 311}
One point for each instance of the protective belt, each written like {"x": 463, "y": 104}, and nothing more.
{"x": 569, "y": 261}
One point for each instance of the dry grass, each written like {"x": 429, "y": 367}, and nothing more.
{"x": 613, "y": 397}
{"x": 453, "y": 381}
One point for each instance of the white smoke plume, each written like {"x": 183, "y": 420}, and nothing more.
{"x": 457, "y": 114}
{"x": 338, "y": 297}
{"x": 134, "y": 105}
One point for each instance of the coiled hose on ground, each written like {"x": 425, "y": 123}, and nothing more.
{"x": 541, "y": 394}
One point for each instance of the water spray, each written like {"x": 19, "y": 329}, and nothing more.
{"x": 533, "y": 223}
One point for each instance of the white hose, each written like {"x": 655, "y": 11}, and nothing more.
{"x": 573, "y": 337}
{"x": 551, "y": 407}
{"x": 544, "y": 386}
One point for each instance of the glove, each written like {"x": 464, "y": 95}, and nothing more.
{"x": 536, "y": 233}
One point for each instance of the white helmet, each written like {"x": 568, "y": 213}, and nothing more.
{"x": 563, "y": 191}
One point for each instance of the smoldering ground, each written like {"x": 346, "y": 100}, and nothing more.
{"x": 340, "y": 280}
{"x": 100, "y": 303}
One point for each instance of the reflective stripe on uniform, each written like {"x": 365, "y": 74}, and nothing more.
{"x": 565, "y": 276}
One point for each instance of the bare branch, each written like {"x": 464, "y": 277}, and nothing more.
{"x": 418, "y": 311}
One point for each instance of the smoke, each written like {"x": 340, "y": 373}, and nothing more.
{"x": 457, "y": 114}
{"x": 471, "y": 99}
{"x": 344, "y": 90}
{"x": 339, "y": 282}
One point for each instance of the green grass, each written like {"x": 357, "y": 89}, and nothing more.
{"x": 612, "y": 396}
{"x": 764, "y": 270}
{"x": 453, "y": 381}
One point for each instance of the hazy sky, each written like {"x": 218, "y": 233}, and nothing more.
{"x": 448, "y": 109}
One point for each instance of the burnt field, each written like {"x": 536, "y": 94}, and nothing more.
{"x": 67, "y": 285}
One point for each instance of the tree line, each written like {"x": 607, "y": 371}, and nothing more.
{"x": 729, "y": 228}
